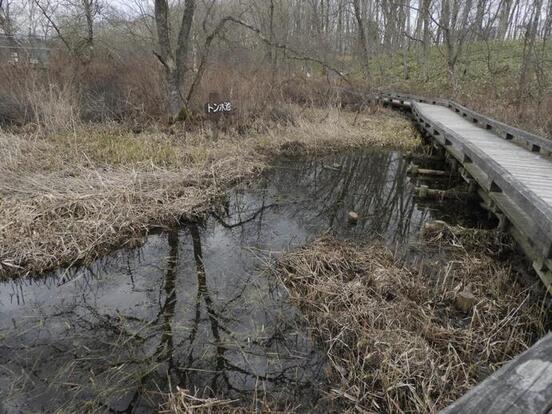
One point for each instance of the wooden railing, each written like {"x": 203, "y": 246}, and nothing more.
{"x": 524, "y": 385}
{"x": 531, "y": 141}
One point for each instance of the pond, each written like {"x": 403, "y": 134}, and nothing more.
{"x": 193, "y": 307}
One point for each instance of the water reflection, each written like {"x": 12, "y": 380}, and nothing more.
{"x": 192, "y": 307}
{"x": 376, "y": 187}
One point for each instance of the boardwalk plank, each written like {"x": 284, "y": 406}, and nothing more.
{"x": 529, "y": 170}
{"x": 522, "y": 386}
{"x": 515, "y": 181}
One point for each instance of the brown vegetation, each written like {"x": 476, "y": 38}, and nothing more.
{"x": 397, "y": 339}
{"x": 75, "y": 194}
{"x": 183, "y": 402}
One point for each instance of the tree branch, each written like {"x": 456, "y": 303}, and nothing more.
{"x": 54, "y": 25}
{"x": 295, "y": 55}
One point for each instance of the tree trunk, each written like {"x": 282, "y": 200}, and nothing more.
{"x": 528, "y": 50}
{"x": 271, "y": 50}
{"x": 7, "y": 26}
{"x": 547, "y": 30}
{"x": 479, "y": 16}
{"x": 405, "y": 26}
{"x": 362, "y": 39}
{"x": 339, "y": 34}
{"x": 6, "y": 23}
{"x": 449, "y": 37}
{"x": 174, "y": 64}
{"x": 426, "y": 37}
{"x": 89, "y": 6}
{"x": 504, "y": 19}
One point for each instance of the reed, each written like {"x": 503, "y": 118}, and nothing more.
{"x": 395, "y": 337}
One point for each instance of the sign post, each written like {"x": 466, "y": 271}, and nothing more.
{"x": 215, "y": 109}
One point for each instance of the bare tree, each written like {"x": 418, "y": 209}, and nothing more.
{"x": 6, "y": 22}
{"x": 3, "y": 18}
{"x": 455, "y": 26}
{"x": 426, "y": 7}
{"x": 83, "y": 13}
{"x": 90, "y": 8}
{"x": 527, "y": 66}
{"x": 322, "y": 34}
{"x": 174, "y": 61}
{"x": 362, "y": 39}
{"x": 504, "y": 18}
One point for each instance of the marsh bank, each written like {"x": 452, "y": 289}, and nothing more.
{"x": 193, "y": 305}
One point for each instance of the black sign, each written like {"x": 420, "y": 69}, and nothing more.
{"x": 218, "y": 108}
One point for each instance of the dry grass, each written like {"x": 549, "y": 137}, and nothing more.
{"x": 395, "y": 339}
{"x": 183, "y": 402}
{"x": 74, "y": 195}
{"x": 442, "y": 235}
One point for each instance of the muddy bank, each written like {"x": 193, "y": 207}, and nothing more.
{"x": 72, "y": 197}
{"x": 413, "y": 339}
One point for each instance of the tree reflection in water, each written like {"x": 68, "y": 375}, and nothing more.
{"x": 193, "y": 307}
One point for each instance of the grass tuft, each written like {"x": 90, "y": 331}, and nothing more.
{"x": 396, "y": 339}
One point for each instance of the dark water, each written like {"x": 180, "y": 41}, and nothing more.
{"x": 192, "y": 307}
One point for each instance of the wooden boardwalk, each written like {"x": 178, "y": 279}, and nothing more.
{"x": 512, "y": 169}
{"x": 522, "y": 386}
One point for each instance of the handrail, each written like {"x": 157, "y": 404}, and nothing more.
{"x": 534, "y": 143}
{"x": 498, "y": 176}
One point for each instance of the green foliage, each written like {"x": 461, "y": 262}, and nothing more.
{"x": 482, "y": 67}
